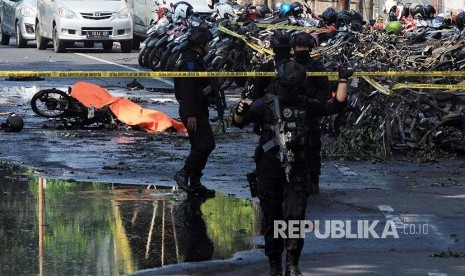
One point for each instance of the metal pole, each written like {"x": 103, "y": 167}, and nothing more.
{"x": 42, "y": 223}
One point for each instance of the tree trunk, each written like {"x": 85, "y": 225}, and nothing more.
{"x": 368, "y": 4}
{"x": 359, "y": 6}
{"x": 344, "y": 4}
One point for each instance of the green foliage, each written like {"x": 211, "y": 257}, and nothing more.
{"x": 356, "y": 144}
{"x": 230, "y": 224}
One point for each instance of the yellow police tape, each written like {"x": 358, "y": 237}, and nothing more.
{"x": 254, "y": 46}
{"x": 428, "y": 86}
{"x": 390, "y": 91}
{"x": 288, "y": 27}
{"x": 378, "y": 86}
{"x": 150, "y": 74}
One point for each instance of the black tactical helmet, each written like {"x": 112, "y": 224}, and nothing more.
{"x": 200, "y": 35}
{"x": 280, "y": 39}
{"x": 291, "y": 73}
{"x": 344, "y": 17}
{"x": 392, "y": 14}
{"x": 263, "y": 10}
{"x": 296, "y": 9}
{"x": 14, "y": 123}
{"x": 414, "y": 10}
{"x": 303, "y": 39}
{"x": 406, "y": 10}
{"x": 357, "y": 16}
{"x": 427, "y": 11}
{"x": 329, "y": 16}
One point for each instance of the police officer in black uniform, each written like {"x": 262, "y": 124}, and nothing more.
{"x": 317, "y": 88}
{"x": 193, "y": 96}
{"x": 283, "y": 196}
{"x": 280, "y": 43}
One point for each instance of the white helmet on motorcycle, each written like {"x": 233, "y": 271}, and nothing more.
{"x": 226, "y": 11}
{"x": 182, "y": 10}
{"x": 211, "y": 3}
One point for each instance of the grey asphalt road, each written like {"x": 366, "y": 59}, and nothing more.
{"x": 77, "y": 58}
{"x": 425, "y": 201}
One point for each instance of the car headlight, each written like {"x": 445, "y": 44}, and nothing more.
{"x": 65, "y": 13}
{"x": 27, "y": 11}
{"x": 123, "y": 14}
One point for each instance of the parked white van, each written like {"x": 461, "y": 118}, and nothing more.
{"x": 88, "y": 21}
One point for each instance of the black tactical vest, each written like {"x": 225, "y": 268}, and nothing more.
{"x": 295, "y": 123}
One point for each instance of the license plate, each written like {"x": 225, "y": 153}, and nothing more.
{"x": 98, "y": 34}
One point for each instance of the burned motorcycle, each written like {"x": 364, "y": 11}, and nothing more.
{"x": 57, "y": 104}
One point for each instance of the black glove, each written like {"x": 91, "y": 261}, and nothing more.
{"x": 242, "y": 107}
{"x": 345, "y": 73}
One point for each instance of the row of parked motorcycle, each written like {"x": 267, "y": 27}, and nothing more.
{"x": 167, "y": 37}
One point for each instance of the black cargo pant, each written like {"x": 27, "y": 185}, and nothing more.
{"x": 313, "y": 156}
{"x": 202, "y": 144}
{"x": 280, "y": 200}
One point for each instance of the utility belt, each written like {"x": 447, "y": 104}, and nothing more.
{"x": 300, "y": 184}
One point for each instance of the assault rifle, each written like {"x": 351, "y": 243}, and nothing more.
{"x": 218, "y": 102}
{"x": 285, "y": 155}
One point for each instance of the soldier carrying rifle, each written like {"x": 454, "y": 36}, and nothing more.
{"x": 282, "y": 165}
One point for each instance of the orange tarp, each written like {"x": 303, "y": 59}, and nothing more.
{"x": 125, "y": 110}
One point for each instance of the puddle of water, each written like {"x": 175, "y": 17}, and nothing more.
{"x": 55, "y": 227}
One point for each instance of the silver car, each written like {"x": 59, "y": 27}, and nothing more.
{"x": 88, "y": 21}
{"x": 17, "y": 18}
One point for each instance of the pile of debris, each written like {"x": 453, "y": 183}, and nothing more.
{"x": 401, "y": 112}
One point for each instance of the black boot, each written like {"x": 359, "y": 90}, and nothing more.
{"x": 197, "y": 187}
{"x": 292, "y": 264}
{"x": 182, "y": 179}
{"x": 276, "y": 269}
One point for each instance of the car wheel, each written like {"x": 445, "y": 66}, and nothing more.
{"x": 5, "y": 39}
{"x": 40, "y": 40}
{"x": 89, "y": 44}
{"x": 126, "y": 46}
{"x": 58, "y": 45}
{"x": 20, "y": 41}
{"x": 107, "y": 45}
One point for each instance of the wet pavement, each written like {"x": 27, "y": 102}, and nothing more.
{"x": 57, "y": 227}
{"x": 92, "y": 216}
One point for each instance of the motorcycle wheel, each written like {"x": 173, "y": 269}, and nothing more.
{"x": 155, "y": 57}
{"x": 140, "y": 57}
{"x": 50, "y": 103}
{"x": 171, "y": 64}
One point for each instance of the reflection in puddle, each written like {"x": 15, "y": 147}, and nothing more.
{"x": 55, "y": 227}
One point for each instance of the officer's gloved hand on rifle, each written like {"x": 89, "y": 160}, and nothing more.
{"x": 242, "y": 107}
{"x": 345, "y": 73}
